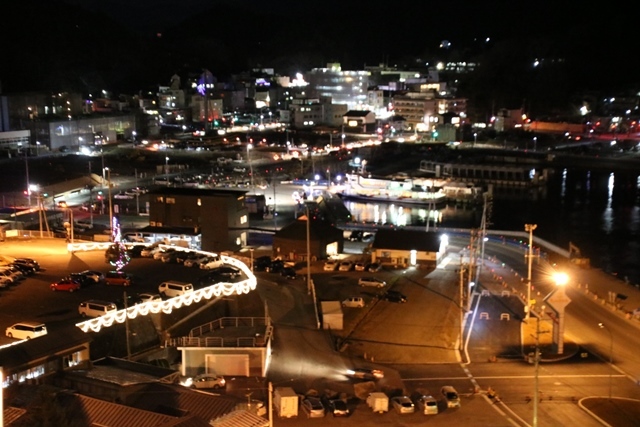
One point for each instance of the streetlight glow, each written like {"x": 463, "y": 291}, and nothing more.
{"x": 560, "y": 279}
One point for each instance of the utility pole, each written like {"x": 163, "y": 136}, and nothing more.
{"x": 462, "y": 310}
{"x": 529, "y": 228}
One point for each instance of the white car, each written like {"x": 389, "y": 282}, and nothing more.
{"x": 207, "y": 381}
{"x": 26, "y": 330}
{"x": 330, "y": 265}
{"x": 150, "y": 251}
{"x": 196, "y": 262}
{"x": 403, "y": 405}
{"x": 313, "y": 407}
{"x": 359, "y": 266}
{"x": 353, "y": 302}
{"x": 345, "y": 266}
{"x": 372, "y": 281}
{"x": 144, "y": 297}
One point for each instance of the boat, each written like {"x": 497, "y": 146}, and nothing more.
{"x": 405, "y": 191}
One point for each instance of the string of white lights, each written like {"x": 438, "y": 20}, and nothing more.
{"x": 216, "y": 290}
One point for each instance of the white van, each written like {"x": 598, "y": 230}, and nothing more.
{"x": 174, "y": 289}
{"x": 214, "y": 262}
{"x": 95, "y": 308}
{"x": 26, "y": 330}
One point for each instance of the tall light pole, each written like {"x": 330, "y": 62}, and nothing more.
{"x": 26, "y": 164}
{"x": 529, "y": 228}
{"x": 535, "y": 143}
{"x": 603, "y": 326}
{"x": 110, "y": 201}
{"x": 166, "y": 169}
{"x": 249, "y": 147}
{"x": 475, "y": 138}
{"x": 536, "y": 370}
{"x": 308, "y": 250}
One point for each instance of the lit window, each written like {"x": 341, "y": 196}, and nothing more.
{"x": 199, "y": 202}
{"x": 243, "y": 219}
{"x": 171, "y": 201}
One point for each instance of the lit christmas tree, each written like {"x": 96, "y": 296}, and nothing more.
{"x": 117, "y": 254}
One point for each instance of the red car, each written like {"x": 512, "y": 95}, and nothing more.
{"x": 68, "y": 285}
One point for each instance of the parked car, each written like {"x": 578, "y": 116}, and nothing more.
{"x": 24, "y": 269}
{"x": 261, "y": 263}
{"x": 275, "y": 266}
{"x": 150, "y": 251}
{"x": 289, "y": 273}
{"x": 207, "y": 381}
{"x": 196, "y": 261}
{"x": 450, "y": 396}
{"x": 30, "y": 262}
{"x": 66, "y": 284}
{"x": 225, "y": 271}
{"x": 81, "y": 279}
{"x": 353, "y": 302}
{"x": 403, "y": 405}
{"x": 10, "y": 274}
{"x": 336, "y": 407}
{"x": 26, "y": 330}
{"x": 374, "y": 267}
{"x": 345, "y": 266}
{"x": 427, "y": 404}
{"x": 313, "y": 407}
{"x": 135, "y": 251}
{"x": 94, "y": 275}
{"x": 394, "y": 296}
{"x": 145, "y": 297}
{"x": 330, "y": 265}
{"x": 5, "y": 281}
{"x": 372, "y": 281}
{"x": 171, "y": 257}
{"x": 163, "y": 252}
{"x": 355, "y": 236}
{"x": 185, "y": 255}
{"x": 118, "y": 278}
{"x": 365, "y": 374}
{"x": 359, "y": 266}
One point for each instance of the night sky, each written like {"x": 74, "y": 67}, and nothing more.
{"x": 127, "y": 45}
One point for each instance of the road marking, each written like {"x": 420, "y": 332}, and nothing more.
{"x": 509, "y": 377}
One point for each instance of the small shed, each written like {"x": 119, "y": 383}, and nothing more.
{"x": 290, "y": 242}
{"x": 332, "y": 317}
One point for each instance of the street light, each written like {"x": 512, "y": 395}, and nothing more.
{"x": 475, "y": 138}
{"x": 535, "y": 143}
{"x": 529, "y": 228}
{"x": 166, "y": 169}
{"x": 64, "y": 205}
{"x": 249, "y": 147}
{"x": 603, "y": 326}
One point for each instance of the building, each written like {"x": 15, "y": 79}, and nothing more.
{"x": 291, "y": 241}
{"x": 220, "y": 217}
{"x": 402, "y": 248}
{"x": 344, "y": 87}
{"x": 310, "y": 112}
{"x": 419, "y": 109}
{"x": 34, "y": 360}
{"x": 359, "y": 121}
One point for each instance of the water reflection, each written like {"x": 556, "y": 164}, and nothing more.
{"x": 381, "y": 213}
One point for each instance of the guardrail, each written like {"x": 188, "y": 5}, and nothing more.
{"x": 232, "y": 322}
{"x": 214, "y": 291}
{"x": 253, "y": 341}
